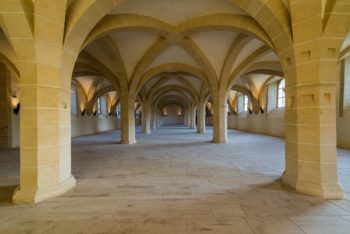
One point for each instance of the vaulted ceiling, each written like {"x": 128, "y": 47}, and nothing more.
{"x": 173, "y": 50}
{"x": 184, "y": 47}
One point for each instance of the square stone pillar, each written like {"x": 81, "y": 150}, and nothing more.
{"x": 192, "y": 115}
{"x": 187, "y": 118}
{"x": 201, "y": 118}
{"x": 45, "y": 79}
{"x": 146, "y": 118}
{"x": 154, "y": 119}
{"x": 220, "y": 119}
{"x": 158, "y": 120}
{"x": 310, "y": 122}
{"x": 311, "y": 147}
{"x": 45, "y": 143}
{"x": 311, "y": 69}
{"x": 128, "y": 119}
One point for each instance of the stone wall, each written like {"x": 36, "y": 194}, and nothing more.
{"x": 172, "y": 118}
{"x": 84, "y": 125}
{"x": 272, "y": 124}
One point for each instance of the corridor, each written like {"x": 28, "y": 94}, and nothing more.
{"x": 176, "y": 181}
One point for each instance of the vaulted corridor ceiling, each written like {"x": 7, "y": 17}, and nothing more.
{"x": 181, "y": 48}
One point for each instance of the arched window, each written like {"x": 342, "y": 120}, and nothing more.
{"x": 281, "y": 96}
{"x": 245, "y": 103}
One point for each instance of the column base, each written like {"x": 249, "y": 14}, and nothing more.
{"x": 129, "y": 142}
{"x": 201, "y": 131}
{"x": 326, "y": 191}
{"x": 34, "y": 196}
{"x": 219, "y": 141}
{"x": 146, "y": 132}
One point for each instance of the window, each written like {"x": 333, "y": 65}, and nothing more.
{"x": 272, "y": 90}
{"x": 73, "y": 101}
{"x": 281, "y": 96}
{"x": 118, "y": 111}
{"x": 242, "y": 103}
{"x": 245, "y": 103}
{"x": 99, "y": 109}
{"x": 103, "y": 108}
{"x": 345, "y": 84}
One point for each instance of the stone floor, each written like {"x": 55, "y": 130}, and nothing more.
{"x": 175, "y": 181}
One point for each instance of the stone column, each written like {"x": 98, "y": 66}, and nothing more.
{"x": 45, "y": 127}
{"x": 201, "y": 118}
{"x": 186, "y": 118}
{"x": 146, "y": 118}
{"x": 154, "y": 119}
{"x": 45, "y": 136}
{"x": 193, "y": 117}
{"x": 311, "y": 147}
{"x": 128, "y": 118}
{"x": 220, "y": 119}
{"x": 5, "y": 107}
{"x": 158, "y": 119}
{"x": 312, "y": 76}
